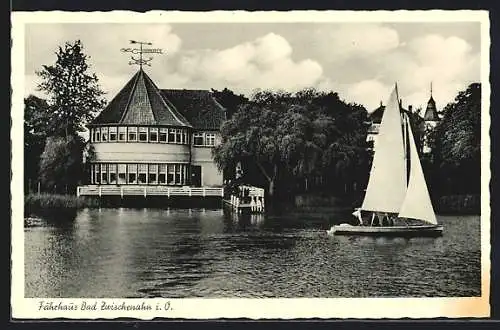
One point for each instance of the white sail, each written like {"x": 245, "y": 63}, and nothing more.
{"x": 417, "y": 203}
{"x": 387, "y": 182}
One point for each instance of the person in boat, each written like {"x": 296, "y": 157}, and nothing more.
{"x": 357, "y": 214}
{"x": 375, "y": 219}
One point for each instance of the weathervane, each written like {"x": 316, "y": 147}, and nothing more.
{"x": 141, "y": 60}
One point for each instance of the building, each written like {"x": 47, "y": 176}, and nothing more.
{"x": 425, "y": 124}
{"x": 431, "y": 119}
{"x": 151, "y": 137}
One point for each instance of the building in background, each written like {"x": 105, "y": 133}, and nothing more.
{"x": 424, "y": 124}
{"x": 151, "y": 137}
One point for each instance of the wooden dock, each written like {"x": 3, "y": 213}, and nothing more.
{"x": 139, "y": 190}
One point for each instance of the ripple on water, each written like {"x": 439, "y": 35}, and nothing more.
{"x": 153, "y": 253}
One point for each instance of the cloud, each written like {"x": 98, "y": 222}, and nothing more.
{"x": 369, "y": 93}
{"x": 102, "y": 42}
{"x": 359, "y": 61}
{"x": 264, "y": 63}
{"x": 356, "y": 40}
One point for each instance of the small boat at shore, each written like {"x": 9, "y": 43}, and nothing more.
{"x": 397, "y": 201}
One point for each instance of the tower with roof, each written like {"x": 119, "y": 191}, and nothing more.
{"x": 431, "y": 119}
{"x": 149, "y": 136}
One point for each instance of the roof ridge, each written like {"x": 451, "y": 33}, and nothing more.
{"x": 169, "y": 108}
{"x": 127, "y": 106}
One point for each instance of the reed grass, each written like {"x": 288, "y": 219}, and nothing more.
{"x": 39, "y": 202}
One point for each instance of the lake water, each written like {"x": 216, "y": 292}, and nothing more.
{"x": 130, "y": 253}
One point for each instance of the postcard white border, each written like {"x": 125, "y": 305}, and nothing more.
{"x": 358, "y": 308}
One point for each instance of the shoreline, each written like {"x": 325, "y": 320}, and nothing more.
{"x": 44, "y": 204}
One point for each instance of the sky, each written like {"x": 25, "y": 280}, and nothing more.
{"x": 359, "y": 61}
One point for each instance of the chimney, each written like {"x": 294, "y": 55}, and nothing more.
{"x": 410, "y": 108}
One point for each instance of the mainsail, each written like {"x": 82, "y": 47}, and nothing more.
{"x": 387, "y": 183}
{"x": 417, "y": 203}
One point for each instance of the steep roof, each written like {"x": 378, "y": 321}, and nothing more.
{"x": 376, "y": 115}
{"x": 140, "y": 102}
{"x": 198, "y": 106}
{"x": 431, "y": 113}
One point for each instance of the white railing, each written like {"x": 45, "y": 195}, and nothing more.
{"x": 104, "y": 190}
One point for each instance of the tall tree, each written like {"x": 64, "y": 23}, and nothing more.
{"x": 36, "y": 119}
{"x": 457, "y": 143}
{"x": 74, "y": 93}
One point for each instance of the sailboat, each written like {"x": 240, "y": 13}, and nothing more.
{"x": 397, "y": 201}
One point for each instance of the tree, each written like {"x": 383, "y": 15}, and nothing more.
{"x": 74, "y": 93}
{"x": 293, "y": 137}
{"x": 61, "y": 164}
{"x": 456, "y": 143}
{"x": 36, "y": 118}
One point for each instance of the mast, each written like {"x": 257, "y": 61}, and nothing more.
{"x": 387, "y": 183}
{"x": 417, "y": 203}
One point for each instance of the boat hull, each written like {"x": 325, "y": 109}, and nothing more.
{"x": 400, "y": 231}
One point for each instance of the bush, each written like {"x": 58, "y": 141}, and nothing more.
{"x": 34, "y": 203}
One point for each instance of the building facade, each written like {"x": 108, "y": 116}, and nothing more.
{"x": 152, "y": 137}
{"x": 424, "y": 124}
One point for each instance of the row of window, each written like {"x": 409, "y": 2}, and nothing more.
{"x": 154, "y": 174}
{"x": 150, "y": 134}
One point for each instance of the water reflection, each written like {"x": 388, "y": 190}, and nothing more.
{"x": 212, "y": 253}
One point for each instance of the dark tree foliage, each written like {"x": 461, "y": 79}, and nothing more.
{"x": 53, "y": 148}
{"x": 61, "y": 164}
{"x": 36, "y": 118}
{"x": 74, "y": 93}
{"x": 456, "y": 142}
{"x": 297, "y": 141}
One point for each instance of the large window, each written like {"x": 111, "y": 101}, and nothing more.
{"x": 122, "y": 133}
{"x": 97, "y": 178}
{"x": 152, "y": 176}
{"x": 122, "y": 173}
{"x": 143, "y": 173}
{"x": 104, "y": 173}
{"x": 112, "y": 134}
{"x": 132, "y": 133}
{"x": 104, "y": 134}
{"x": 171, "y": 174}
{"x": 163, "y": 134}
{"x": 210, "y": 139}
{"x": 153, "y": 134}
{"x": 162, "y": 174}
{"x": 198, "y": 139}
{"x": 132, "y": 173}
{"x": 143, "y": 134}
{"x": 112, "y": 173}
{"x": 171, "y": 135}
{"x": 97, "y": 136}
